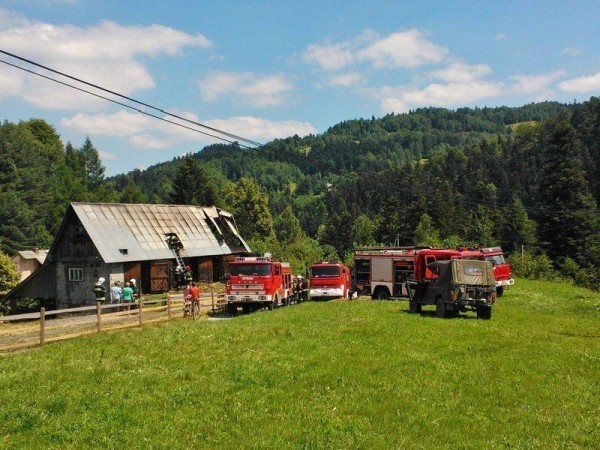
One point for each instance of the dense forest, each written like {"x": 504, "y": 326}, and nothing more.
{"x": 526, "y": 178}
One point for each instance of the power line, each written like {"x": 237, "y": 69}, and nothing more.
{"x": 96, "y": 86}
{"x": 117, "y": 102}
{"x": 286, "y": 155}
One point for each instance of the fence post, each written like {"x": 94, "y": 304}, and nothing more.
{"x": 212, "y": 301}
{"x": 98, "y": 317}
{"x": 140, "y": 303}
{"x": 42, "y": 326}
{"x": 169, "y": 306}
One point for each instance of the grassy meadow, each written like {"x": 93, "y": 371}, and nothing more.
{"x": 360, "y": 374}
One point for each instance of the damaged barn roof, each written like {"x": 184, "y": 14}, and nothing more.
{"x": 125, "y": 232}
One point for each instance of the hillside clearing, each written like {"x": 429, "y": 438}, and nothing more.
{"x": 360, "y": 374}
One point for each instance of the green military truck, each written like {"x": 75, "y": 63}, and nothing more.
{"x": 456, "y": 285}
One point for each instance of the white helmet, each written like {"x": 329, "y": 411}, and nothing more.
{"x": 100, "y": 280}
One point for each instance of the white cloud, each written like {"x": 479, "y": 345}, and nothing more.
{"x": 146, "y": 132}
{"x": 404, "y": 49}
{"x": 260, "y": 129}
{"x": 246, "y": 87}
{"x": 570, "y": 51}
{"x": 501, "y": 36}
{"x": 435, "y": 94}
{"x": 8, "y": 83}
{"x": 106, "y": 156}
{"x": 122, "y": 123}
{"x": 149, "y": 141}
{"x": 346, "y": 80}
{"x": 104, "y": 54}
{"x": 461, "y": 72}
{"x": 582, "y": 85}
{"x": 525, "y": 84}
{"x": 329, "y": 57}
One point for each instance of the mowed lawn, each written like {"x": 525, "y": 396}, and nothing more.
{"x": 360, "y": 374}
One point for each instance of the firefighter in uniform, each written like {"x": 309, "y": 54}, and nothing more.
{"x": 304, "y": 289}
{"x": 99, "y": 290}
{"x": 187, "y": 275}
{"x": 293, "y": 290}
{"x": 298, "y": 289}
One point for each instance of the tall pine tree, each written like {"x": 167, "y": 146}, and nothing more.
{"x": 568, "y": 222}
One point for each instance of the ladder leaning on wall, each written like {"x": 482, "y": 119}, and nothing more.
{"x": 176, "y": 247}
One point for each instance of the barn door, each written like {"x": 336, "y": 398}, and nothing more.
{"x": 159, "y": 276}
{"x": 205, "y": 271}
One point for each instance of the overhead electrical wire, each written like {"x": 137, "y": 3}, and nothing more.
{"x": 147, "y": 105}
{"x": 115, "y": 101}
{"x": 233, "y": 138}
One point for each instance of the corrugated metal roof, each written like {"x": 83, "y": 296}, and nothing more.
{"x": 40, "y": 255}
{"x": 136, "y": 232}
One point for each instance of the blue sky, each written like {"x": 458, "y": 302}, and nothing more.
{"x": 272, "y": 69}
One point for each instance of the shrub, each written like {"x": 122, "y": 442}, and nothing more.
{"x": 534, "y": 267}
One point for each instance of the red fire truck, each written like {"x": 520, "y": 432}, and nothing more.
{"x": 502, "y": 270}
{"x": 385, "y": 272}
{"x": 255, "y": 282}
{"x": 329, "y": 280}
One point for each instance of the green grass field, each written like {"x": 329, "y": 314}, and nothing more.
{"x": 361, "y": 374}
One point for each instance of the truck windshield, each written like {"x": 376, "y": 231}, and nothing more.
{"x": 249, "y": 269}
{"x": 495, "y": 259}
{"x": 325, "y": 271}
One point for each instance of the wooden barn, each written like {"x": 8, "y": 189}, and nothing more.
{"x": 119, "y": 241}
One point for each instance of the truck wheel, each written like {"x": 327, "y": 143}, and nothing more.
{"x": 500, "y": 291}
{"x": 381, "y": 294}
{"x": 232, "y": 309}
{"x": 440, "y": 308}
{"x": 484, "y": 312}
{"x": 414, "y": 307}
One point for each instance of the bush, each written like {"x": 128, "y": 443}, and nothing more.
{"x": 534, "y": 267}
{"x": 540, "y": 267}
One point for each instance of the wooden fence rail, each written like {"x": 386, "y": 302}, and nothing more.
{"x": 33, "y": 329}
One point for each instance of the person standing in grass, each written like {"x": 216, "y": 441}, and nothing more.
{"x": 127, "y": 294}
{"x": 195, "y": 294}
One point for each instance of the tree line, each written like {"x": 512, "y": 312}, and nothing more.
{"x": 526, "y": 178}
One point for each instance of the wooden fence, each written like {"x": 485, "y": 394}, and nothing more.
{"x": 36, "y": 329}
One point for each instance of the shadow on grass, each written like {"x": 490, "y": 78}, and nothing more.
{"x": 430, "y": 314}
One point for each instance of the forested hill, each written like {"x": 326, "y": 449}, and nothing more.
{"x": 526, "y": 177}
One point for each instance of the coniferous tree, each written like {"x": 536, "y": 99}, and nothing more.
{"x": 94, "y": 169}
{"x": 191, "y": 186}
{"x": 568, "y": 222}
{"x": 516, "y": 228}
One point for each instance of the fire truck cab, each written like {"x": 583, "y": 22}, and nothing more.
{"x": 256, "y": 282}
{"x": 502, "y": 270}
{"x": 329, "y": 280}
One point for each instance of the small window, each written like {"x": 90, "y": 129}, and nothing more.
{"x": 75, "y": 274}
